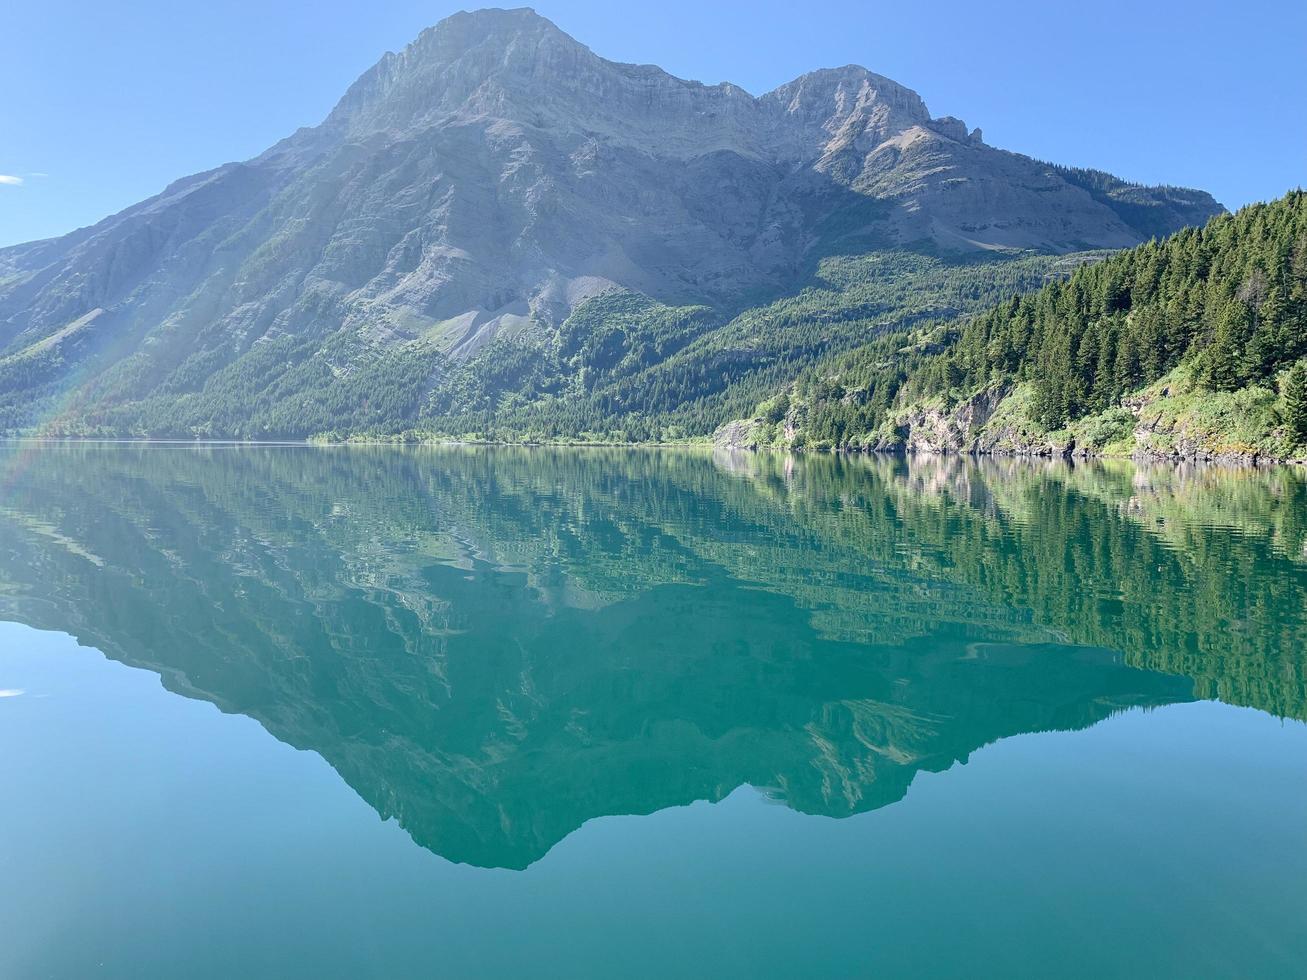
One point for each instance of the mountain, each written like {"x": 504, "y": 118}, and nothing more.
{"x": 1190, "y": 347}
{"x": 475, "y": 192}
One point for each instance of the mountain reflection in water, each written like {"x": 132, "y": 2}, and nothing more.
{"x": 495, "y": 645}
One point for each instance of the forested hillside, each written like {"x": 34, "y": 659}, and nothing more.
{"x": 1192, "y": 345}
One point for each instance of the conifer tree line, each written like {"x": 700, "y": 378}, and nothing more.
{"x": 1227, "y": 301}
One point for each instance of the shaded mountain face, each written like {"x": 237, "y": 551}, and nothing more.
{"x": 495, "y": 646}
{"x": 491, "y": 177}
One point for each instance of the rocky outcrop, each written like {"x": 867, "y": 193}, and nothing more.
{"x": 740, "y": 434}
{"x": 936, "y": 429}
{"x": 1168, "y": 422}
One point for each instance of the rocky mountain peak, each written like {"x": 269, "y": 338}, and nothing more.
{"x": 449, "y": 63}
{"x": 835, "y": 97}
{"x": 517, "y": 66}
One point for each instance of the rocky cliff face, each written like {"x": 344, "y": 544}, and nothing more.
{"x": 496, "y": 173}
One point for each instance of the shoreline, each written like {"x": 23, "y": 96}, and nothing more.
{"x": 704, "y": 444}
{"x": 1214, "y": 459}
{"x": 1233, "y": 460}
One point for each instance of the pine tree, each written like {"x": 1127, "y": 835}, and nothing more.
{"x": 1219, "y": 363}
{"x": 1294, "y": 392}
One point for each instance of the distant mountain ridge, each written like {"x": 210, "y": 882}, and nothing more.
{"x": 481, "y": 186}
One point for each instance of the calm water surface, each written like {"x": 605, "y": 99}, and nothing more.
{"x": 301, "y": 712}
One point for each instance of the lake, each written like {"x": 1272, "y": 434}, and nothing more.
{"x": 367, "y": 712}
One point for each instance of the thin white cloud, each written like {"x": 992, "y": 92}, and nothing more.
{"x": 7, "y": 179}
{"x": 12, "y": 692}
{"x": 37, "y": 173}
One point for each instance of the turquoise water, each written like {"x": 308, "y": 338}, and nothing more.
{"x": 282, "y": 712}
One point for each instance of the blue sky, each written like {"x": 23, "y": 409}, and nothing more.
{"x": 103, "y": 104}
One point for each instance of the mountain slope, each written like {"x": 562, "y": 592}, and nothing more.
{"x": 476, "y": 189}
{"x": 1194, "y": 346}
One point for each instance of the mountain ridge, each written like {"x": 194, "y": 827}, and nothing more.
{"x": 479, "y": 187}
